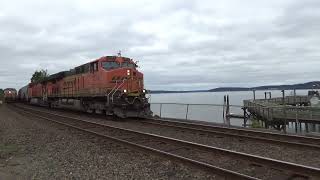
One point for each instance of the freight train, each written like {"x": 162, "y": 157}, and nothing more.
{"x": 10, "y": 95}
{"x": 110, "y": 85}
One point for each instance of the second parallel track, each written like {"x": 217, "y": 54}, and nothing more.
{"x": 264, "y": 136}
{"x": 231, "y": 164}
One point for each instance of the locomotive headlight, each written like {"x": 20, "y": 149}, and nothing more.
{"x": 9, "y": 92}
{"x": 124, "y": 90}
{"x": 144, "y": 91}
{"x": 128, "y": 72}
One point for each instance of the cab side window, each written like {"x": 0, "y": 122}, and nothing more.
{"x": 94, "y": 67}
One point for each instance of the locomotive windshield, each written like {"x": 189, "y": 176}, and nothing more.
{"x": 110, "y": 65}
{"x": 127, "y": 64}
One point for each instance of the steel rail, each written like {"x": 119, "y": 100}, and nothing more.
{"x": 295, "y": 140}
{"x": 198, "y": 164}
{"x": 296, "y": 169}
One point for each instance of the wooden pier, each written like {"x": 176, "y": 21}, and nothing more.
{"x": 280, "y": 111}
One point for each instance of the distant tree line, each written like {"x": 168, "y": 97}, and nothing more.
{"x": 36, "y": 77}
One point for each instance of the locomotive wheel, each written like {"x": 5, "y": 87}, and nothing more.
{"x": 137, "y": 104}
{"x": 119, "y": 113}
{"x": 108, "y": 113}
{"x": 90, "y": 111}
{"x": 87, "y": 109}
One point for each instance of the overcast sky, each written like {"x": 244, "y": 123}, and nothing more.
{"x": 180, "y": 44}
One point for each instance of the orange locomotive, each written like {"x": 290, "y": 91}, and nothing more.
{"x": 10, "y": 95}
{"x": 110, "y": 84}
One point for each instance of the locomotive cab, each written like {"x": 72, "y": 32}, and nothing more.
{"x": 127, "y": 94}
{"x": 123, "y": 70}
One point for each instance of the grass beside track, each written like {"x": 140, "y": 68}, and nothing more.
{"x": 7, "y": 149}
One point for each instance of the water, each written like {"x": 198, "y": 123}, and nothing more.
{"x": 207, "y": 112}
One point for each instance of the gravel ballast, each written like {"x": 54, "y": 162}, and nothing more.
{"x": 298, "y": 155}
{"x": 38, "y": 149}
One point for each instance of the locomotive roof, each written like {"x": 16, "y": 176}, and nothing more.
{"x": 58, "y": 75}
{"x": 71, "y": 72}
{"x": 10, "y": 89}
{"x": 52, "y": 77}
{"x": 109, "y": 58}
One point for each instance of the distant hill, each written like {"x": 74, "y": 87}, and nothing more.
{"x": 308, "y": 85}
{"x": 222, "y": 89}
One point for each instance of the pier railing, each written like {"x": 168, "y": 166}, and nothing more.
{"x": 280, "y": 100}
{"x": 284, "y": 109}
{"x": 268, "y": 110}
{"x": 204, "y": 112}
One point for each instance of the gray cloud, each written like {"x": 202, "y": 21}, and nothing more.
{"x": 180, "y": 45}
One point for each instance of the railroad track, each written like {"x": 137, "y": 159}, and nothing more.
{"x": 244, "y": 133}
{"x": 227, "y": 163}
{"x": 256, "y": 135}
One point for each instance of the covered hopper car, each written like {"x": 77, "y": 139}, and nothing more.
{"x": 23, "y": 94}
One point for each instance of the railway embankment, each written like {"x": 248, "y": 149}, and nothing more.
{"x": 240, "y": 153}
{"x": 32, "y": 148}
{"x": 270, "y": 144}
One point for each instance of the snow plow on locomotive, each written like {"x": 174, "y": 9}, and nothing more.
{"x": 110, "y": 85}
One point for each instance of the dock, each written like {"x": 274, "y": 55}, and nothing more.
{"x": 278, "y": 112}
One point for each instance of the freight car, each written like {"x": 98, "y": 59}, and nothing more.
{"x": 10, "y": 95}
{"x": 23, "y": 94}
{"x": 110, "y": 85}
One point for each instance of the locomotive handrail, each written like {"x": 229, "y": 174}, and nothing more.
{"x": 117, "y": 89}
{"x": 113, "y": 88}
{"x": 108, "y": 96}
